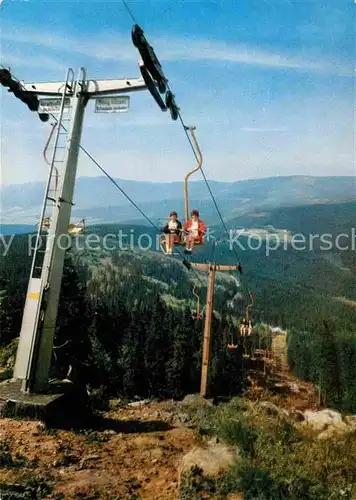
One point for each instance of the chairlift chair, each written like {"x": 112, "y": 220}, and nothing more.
{"x": 231, "y": 344}
{"x": 181, "y": 242}
{"x": 78, "y": 228}
{"x": 197, "y": 315}
{"x": 73, "y": 229}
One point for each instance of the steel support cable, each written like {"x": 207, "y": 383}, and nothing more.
{"x": 127, "y": 196}
{"x": 101, "y": 168}
{"x": 129, "y": 12}
{"x": 114, "y": 182}
{"x": 185, "y": 128}
{"x": 96, "y": 163}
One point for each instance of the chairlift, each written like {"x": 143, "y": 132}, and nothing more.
{"x": 77, "y": 228}
{"x": 74, "y": 228}
{"x": 249, "y": 305}
{"x": 230, "y": 303}
{"x": 197, "y": 315}
{"x": 246, "y": 324}
{"x": 181, "y": 240}
{"x": 232, "y": 345}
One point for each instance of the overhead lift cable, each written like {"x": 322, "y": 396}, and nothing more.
{"x": 129, "y": 12}
{"x": 122, "y": 191}
{"x": 157, "y": 84}
{"x": 185, "y": 128}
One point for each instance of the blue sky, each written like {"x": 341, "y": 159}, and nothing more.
{"x": 269, "y": 85}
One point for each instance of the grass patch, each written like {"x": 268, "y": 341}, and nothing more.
{"x": 99, "y": 400}
{"x": 94, "y": 437}
{"x": 6, "y": 459}
{"x": 195, "y": 485}
{"x": 8, "y": 354}
{"x": 278, "y": 461}
{"x": 10, "y": 460}
{"x": 27, "y": 488}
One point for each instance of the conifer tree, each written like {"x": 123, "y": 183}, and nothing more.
{"x": 179, "y": 365}
{"x": 72, "y": 325}
{"x": 328, "y": 364}
{"x": 156, "y": 349}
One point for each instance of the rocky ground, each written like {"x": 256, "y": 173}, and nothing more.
{"x": 135, "y": 453}
{"x": 136, "y": 456}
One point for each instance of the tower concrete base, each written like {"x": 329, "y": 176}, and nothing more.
{"x": 64, "y": 404}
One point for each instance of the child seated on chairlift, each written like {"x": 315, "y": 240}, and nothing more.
{"x": 245, "y": 327}
{"x": 195, "y": 229}
{"x": 173, "y": 231}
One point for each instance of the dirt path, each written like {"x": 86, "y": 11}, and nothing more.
{"x": 348, "y": 302}
{"x": 279, "y": 386}
{"x": 136, "y": 456}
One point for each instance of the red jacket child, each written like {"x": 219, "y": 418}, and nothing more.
{"x": 195, "y": 227}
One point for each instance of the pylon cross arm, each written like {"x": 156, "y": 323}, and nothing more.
{"x": 93, "y": 87}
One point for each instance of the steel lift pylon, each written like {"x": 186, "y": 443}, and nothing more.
{"x": 34, "y": 354}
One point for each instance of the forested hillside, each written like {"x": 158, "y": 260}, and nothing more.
{"x": 127, "y": 314}
{"x": 122, "y": 335}
{"x": 292, "y": 287}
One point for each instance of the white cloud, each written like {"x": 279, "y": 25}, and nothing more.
{"x": 119, "y": 48}
{"x": 238, "y": 136}
{"x": 50, "y": 63}
{"x": 261, "y": 129}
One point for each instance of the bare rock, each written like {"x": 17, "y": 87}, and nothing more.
{"x": 294, "y": 387}
{"x": 182, "y": 420}
{"x": 109, "y": 432}
{"x": 155, "y": 415}
{"x": 329, "y": 423}
{"x": 40, "y": 428}
{"x": 196, "y": 401}
{"x": 320, "y": 420}
{"x": 139, "y": 404}
{"x": 156, "y": 453}
{"x": 212, "y": 460}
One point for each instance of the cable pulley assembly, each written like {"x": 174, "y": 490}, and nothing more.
{"x": 152, "y": 73}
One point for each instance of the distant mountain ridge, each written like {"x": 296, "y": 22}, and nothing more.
{"x": 99, "y": 201}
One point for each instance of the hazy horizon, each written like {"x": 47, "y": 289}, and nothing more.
{"x": 192, "y": 179}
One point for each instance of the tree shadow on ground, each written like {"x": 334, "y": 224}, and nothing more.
{"x": 99, "y": 424}
{"x": 129, "y": 426}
